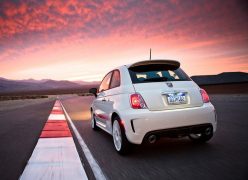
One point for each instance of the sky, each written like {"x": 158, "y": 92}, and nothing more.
{"x": 83, "y": 40}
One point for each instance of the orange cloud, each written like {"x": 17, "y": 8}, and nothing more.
{"x": 38, "y": 35}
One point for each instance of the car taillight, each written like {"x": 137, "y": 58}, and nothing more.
{"x": 137, "y": 102}
{"x": 205, "y": 96}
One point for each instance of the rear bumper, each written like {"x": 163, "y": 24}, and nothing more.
{"x": 179, "y": 131}
{"x": 142, "y": 122}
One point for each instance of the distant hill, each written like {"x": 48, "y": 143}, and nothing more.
{"x": 34, "y": 86}
{"x": 87, "y": 83}
{"x": 222, "y": 78}
{"x": 8, "y": 86}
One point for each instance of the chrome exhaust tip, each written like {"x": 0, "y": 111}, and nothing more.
{"x": 152, "y": 139}
{"x": 208, "y": 131}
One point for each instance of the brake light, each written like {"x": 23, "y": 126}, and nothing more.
{"x": 137, "y": 102}
{"x": 205, "y": 96}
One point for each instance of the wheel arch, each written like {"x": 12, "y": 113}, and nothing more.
{"x": 114, "y": 114}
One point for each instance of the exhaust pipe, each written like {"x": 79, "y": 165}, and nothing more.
{"x": 208, "y": 131}
{"x": 152, "y": 139}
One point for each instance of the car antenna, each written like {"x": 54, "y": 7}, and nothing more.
{"x": 150, "y": 54}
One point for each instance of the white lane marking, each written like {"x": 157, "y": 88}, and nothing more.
{"x": 93, "y": 163}
{"x": 56, "y": 117}
{"x": 54, "y": 159}
{"x": 56, "y": 108}
{"x": 57, "y": 103}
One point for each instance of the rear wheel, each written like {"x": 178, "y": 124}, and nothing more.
{"x": 121, "y": 143}
{"x": 202, "y": 137}
{"x": 93, "y": 122}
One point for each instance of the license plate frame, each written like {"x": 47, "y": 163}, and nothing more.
{"x": 176, "y": 98}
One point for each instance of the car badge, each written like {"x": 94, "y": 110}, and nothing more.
{"x": 169, "y": 84}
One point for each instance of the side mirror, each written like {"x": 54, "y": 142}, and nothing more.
{"x": 93, "y": 91}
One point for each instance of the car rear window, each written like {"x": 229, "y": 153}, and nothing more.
{"x": 156, "y": 73}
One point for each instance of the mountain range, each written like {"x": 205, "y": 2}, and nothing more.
{"x": 9, "y": 86}
{"x": 222, "y": 78}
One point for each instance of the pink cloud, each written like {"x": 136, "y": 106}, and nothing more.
{"x": 199, "y": 28}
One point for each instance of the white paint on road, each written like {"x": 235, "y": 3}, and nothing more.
{"x": 56, "y": 108}
{"x": 57, "y": 117}
{"x": 54, "y": 158}
{"x": 98, "y": 173}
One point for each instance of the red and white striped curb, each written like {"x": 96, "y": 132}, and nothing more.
{"x": 55, "y": 155}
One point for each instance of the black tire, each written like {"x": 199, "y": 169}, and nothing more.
{"x": 93, "y": 122}
{"x": 125, "y": 144}
{"x": 202, "y": 137}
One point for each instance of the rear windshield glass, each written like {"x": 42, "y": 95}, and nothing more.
{"x": 156, "y": 73}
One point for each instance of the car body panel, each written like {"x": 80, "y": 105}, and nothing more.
{"x": 155, "y": 94}
{"x": 145, "y": 121}
{"x": 159, "y": 115}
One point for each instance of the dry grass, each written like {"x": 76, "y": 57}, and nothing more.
{"x": 84, "y": 89}
{"x": 5, "y": 98}
{"x": 85, "y": 94}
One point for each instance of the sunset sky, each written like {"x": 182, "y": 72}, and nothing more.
{"x": 83, "y": 40}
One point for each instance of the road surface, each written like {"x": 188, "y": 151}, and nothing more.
{"x": 21, "y": 122}
{"x": 224, "y": 157}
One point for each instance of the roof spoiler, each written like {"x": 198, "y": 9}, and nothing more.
{"x": 172, "y": 63}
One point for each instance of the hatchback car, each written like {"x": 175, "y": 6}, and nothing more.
{"x": 149, "y": 99}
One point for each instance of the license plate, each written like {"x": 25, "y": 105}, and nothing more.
{"x": 176, "y": 98}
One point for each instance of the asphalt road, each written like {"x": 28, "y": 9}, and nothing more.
{"x": 224, "y": 157}
{"x": 21, "y": 122}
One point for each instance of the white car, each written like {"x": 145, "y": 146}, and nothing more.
{"x": 150, "y": 99}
